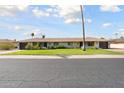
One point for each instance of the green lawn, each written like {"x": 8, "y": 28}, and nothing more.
{"x": 64, "y": 52}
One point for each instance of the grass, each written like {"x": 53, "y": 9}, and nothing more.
{"x": 64, "y": 52}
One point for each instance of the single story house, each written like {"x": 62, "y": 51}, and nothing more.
{"x": 117, "y": 43}
{"x": 66, "y": 42}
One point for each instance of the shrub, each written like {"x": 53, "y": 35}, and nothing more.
{"x": 57, "y": 47}
{"x": 36, "y": 47}
{"x": 60, "y": 47}
{"x": 7, "y": 46}
{"x": 92, "y": 47}
{"x": 52, "y": 47}
{"x": 30, "y": 46}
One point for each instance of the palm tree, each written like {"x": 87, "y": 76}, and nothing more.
{"x": 116, "y": 34}
{"x": 32, "y": 35}
{"x": 43, "y": 36}
{"x": 82, "y": 16}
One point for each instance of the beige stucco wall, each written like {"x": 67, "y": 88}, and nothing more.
{"x": 96, "y": 44}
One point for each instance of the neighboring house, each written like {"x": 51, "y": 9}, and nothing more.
{"x": 7, "y": 40}
{"x": 6, "y": 44}
{"x": 117, "y": 43}
{"x": 66, "y": 42}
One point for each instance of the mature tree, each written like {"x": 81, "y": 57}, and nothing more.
{"x": 32, "y": 35}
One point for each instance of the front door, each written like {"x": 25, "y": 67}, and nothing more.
{"x": 103, "y": 45}
{"x": 45, "y": 44}
{"x": 81, "y": 44}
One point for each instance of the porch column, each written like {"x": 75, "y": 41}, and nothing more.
{"x": 96, "y": 44}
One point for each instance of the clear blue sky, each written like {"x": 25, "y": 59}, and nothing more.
{"x": 17, "y": 22}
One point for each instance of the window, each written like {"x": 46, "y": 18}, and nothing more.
{"x": 90, "y": 43}
{"x": 69, "y": 43}
{"x": 56, "y": 44}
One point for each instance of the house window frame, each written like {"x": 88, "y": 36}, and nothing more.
{"x": 56, "y": 43}
{"x": 70, "y": 43}
{"x": 90, "y": 43}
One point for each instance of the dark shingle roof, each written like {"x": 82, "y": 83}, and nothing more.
{"x": 62, "y": 39}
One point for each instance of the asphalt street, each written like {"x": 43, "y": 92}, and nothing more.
{"x": 62, "y": 73}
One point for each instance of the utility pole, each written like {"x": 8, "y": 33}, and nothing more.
{"x": 83, "y": 28}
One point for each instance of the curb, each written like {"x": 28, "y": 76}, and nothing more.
{"x": 60, "y": 57}
{"x": 95, "y": 56}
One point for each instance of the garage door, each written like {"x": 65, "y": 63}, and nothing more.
{"x": 120, "y": 46}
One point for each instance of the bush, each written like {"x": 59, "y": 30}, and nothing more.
{"x": 60, "y": 47}
{"x": 92, "y": 47}
{"x": 57, "y": 47}
{"x": 36, "y": 47}
{"x": 30, "y": 46}
{"x": 7, "y": 46}
{"x": 51, "y": 47}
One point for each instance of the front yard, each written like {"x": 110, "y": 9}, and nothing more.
{"x": 65, "y": 52}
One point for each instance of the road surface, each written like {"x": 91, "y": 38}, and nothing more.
{"x": 62, "y": 73}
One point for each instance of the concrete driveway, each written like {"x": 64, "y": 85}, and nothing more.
{"x": 62, "y": 73}
{"x": 116, "y": 50}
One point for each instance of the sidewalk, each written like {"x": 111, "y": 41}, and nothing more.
{"x": 8, "y": 51}
{"x": 59, "y": 57}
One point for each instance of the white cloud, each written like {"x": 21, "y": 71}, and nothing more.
{"x": 88, "y": 20}
{"x": 77, "y": 20}
{"x": 22, "y": 8}
{"x": 24, "y": 30}
{"x": 17, "y": 28}
{"x": 72, "y": 20}
{"x": 11, "y": 27}
{"x": 67, "y": 11}
{"x": 120, "y": 32}
{"x": 39, "y": 13}
{"x": 49, "y": 10}
{"x": 70, "y": 14}
{"x": 106, "y": 25}
{"x": 11, "y": 10}
{"x": 55, "y": 15}
{"x": 121, "y": 29}
{"x": 106, "y": 8}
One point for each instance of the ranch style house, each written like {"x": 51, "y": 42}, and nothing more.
{"x": 66, "y": 42}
